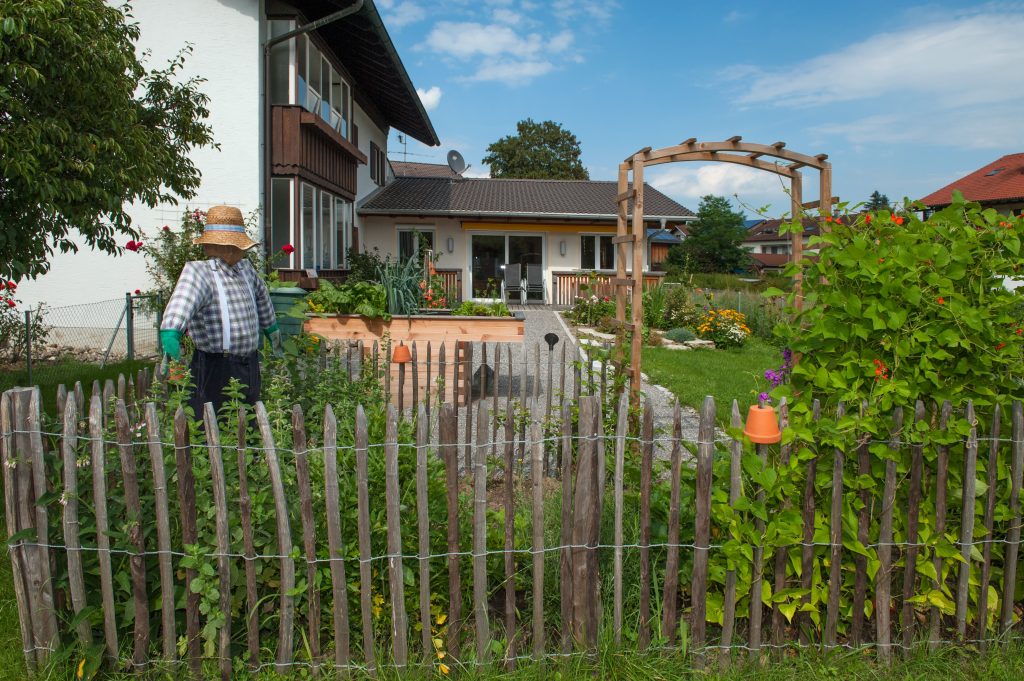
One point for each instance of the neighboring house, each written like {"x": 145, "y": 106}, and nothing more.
{"x": 478, "y": 225}
{"x": 659, "y": 241}
{"x": 998, "y": 185}
{"x": 764, "y": 237}
{"x": 335, "y": 95}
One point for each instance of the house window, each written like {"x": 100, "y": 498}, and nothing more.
{"x": 413, "y": 240}
{"x": 378, "y": 164}
{"x": 280, "y": 63}
{"x": 597, "y": 252}
{"x": 319, "y": 87}
{"x": 326, "y": 224}
{"x": 280, "y": 218}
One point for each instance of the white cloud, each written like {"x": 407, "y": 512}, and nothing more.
{"x": 560, "y": 42}
{"x": 952, "y": 61}
{"x": 403, "y": 14}
{"x": 511, "y": 72}
{"x": 690, "y": 182}
{"x": 507, "y": 16}
{"x": 596, "y": 10}
{"x": 430, "y": 97}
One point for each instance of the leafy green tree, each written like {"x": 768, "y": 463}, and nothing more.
{"x": 542, "y": 151}
{"x": 877, "y": 201}
{"x": 714, "y": 242}
{"x": 85, "y": 129}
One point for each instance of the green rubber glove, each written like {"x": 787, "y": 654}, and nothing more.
{"x": 170, "y": 340}
{"x": 273, "y": 334}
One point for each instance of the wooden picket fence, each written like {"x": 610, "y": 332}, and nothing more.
{"x": 53, "y": 600}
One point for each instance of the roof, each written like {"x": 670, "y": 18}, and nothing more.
{"x": 752, "y": 222}
{"x": 365, "y": 48}
{"x": 660, "y": 236}
{"x": 771, "y": 259}
{"x": 1001, "y": 181}
{"x": 768, "y": 230}
{"x": 562, "y": 199}
{"x": 416, "y": 169}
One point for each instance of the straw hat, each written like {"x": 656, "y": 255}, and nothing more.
{"x": 225, "y": 227}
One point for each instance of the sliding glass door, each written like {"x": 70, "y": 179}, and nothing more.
{"x": 489, "y": 253}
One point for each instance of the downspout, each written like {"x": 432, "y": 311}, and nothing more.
{"x": 268, "y": 45}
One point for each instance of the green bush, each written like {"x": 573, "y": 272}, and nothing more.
{"x": 680, "y": 310}
{"x": 589, "y": 310}
{"x": 680, "y": 335}
{"x": 369, "y": 300}
{"x": 470, "y": 308}
{"x": 364, "y": 265}
{"x": 655, "y": 306}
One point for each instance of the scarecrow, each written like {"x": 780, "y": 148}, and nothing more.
{"x": 224, "y": 305}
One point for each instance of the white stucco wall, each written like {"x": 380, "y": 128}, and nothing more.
{"x": 226, "y": 52}
{"x": 368, "y": 132}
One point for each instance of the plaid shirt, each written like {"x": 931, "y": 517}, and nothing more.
{"x": 196, "y": 304}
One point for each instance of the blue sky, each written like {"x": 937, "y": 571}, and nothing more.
{"x": 904, "y": 98}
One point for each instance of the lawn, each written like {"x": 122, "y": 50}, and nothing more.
{"x": 49, "y": 376}
{"x": 727, "y": 375}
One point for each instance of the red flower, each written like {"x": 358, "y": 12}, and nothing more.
{"x": 166, "y": 228}
{"x": 942, "y": 301}
{"x": 1000, "y": 346}
{"x": 11, "y": 286}
{"x": 11, "y": 303}
{"x": 898, "y": 220}
{"x": 828, "y": 218}
{"x": 138, "y": 291}
{"x": 288, "y": 249}
{"x": 867, "y": 218}
{"x": 133, "y": 246}
{"x": 1020, "y": 331}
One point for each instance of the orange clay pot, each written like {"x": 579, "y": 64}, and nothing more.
{"x": 401, "y": 355}
{"x": 762, "y": 426}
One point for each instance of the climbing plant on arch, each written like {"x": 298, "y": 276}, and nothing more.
{"x": 772, "y": 158}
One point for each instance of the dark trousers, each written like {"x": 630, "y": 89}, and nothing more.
{"x": 211, "y": 372}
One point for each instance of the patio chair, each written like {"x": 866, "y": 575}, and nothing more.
{"x": 535, "y": 281}
{"x": 513, "y": 282}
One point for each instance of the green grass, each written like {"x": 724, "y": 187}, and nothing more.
{"x": 727, "y": 375}
{"x": 49, "y": 376}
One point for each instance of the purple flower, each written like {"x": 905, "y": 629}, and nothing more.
{"x": 764, "y": 397}
{"x": 787, "y": 357}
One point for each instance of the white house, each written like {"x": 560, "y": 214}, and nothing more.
{"x": 335, "y": 94}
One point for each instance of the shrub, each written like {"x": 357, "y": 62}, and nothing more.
{"x": 12, "y": 326}
{"x": 727, "y": 328}
{"x": 589, "y": 310}
{"x": 364, "y": 265}
{"x": 680, "y": 310}
{"x": 680, "y": 335}
{"x": 470, "y": 308}
{"x": 369, "y": 300}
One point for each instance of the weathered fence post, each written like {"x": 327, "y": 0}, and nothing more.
{"x": 220, "y": 504}
{"x": 1013, "y": 536}
{"x": 399, "y": 625}
{"x": 991, "y": 481}
{"x": 671, "y": 590}
{"x": 308, "y": 531}
{"x": 339, "y": 585}
{"x": 448, "y": 427}
{"x": 621, "y": 429}
{"x": 941, "y": 479}
{"x": 585, "y": 527}
{"x": 189, "y": 534}
{"x": 883, "y": 578}
{"x": 363, "y": 525}
{"x": 163, "y": 534}
{"x": 537, "y": 473}
{"x": 735, "y": 484}
{"x": 967, "y": 522}
{"x": 423, "y": 523}
{"x": 913, "y": 501}
{"x": 646, "y": 465}
{"x": 479, "y": 470}
{"x": 702, "y": 520}
{"x": 136, "y": 560}
{"x": 835, "y": 540}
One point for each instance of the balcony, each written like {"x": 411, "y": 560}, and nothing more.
{"x": 305, "y": 146}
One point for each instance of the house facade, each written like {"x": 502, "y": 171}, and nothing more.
{"x": 477, "y": 226}
{"x": 296, "y": 164}
{"x": 998, "y": 185}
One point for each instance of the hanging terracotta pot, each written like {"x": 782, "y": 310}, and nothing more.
{"x": 401, "y": 355}
{"x": 762, "y": 426}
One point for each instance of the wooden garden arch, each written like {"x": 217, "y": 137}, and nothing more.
{"x": 772, "y": 158}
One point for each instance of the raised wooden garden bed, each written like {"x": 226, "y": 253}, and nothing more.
{"x": 426, "y": 334}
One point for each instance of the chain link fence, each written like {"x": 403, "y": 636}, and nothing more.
{"x": 58, "y": 340}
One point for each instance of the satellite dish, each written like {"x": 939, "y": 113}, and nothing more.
{"x": 456, "y": 162}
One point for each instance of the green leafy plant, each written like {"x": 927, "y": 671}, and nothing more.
{"x": 401, "y": 281}
{"x": 363, "y": 298}
{"x": 470, "y": 308}
{"x": 364, "y": 265}
{"x": 680, "y": 335}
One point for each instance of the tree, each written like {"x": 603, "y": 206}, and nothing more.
{"x": 877, "y": 201}
{"x": 542, "y": 151}
{"x": 85, "y": 129}
{"x": 714, "y": 242}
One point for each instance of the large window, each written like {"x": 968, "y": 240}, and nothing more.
{"x": 280, "y": 218}
{"x": 597, "y": 252}
{"x": 378, "y": 164}
{"x": 326, "y": 228}
{"x": 411, "y": 240}
{"x": 319, "y": 87}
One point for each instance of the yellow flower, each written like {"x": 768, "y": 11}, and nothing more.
{"x": 81, "y": 669}
{"x": 444, "y": 668}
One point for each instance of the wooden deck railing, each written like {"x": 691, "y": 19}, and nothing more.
{"x": 567, "y": 286}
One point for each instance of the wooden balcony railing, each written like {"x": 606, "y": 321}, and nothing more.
{"x": 570, "y": 285}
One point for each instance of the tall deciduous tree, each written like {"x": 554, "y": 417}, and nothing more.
{"x": 714, "y": 242}
{"x": 544, "y": 151}
{"x": 86, "y": 128}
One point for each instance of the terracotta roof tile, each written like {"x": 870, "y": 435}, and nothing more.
{"x": 496, "y": 196}
{"x": 998, "y": 182}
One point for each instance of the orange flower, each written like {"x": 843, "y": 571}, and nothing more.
{"x": 942, "y": 301}
{"x": 867, "y": 218}
{"x": 1000, "y": 346}
{"x": 898, "y": 220}
{"x": 828, "y": 218}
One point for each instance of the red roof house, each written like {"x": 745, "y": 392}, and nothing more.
{"x": 999, "y": 185}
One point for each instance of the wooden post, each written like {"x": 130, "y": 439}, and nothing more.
{"x": 399, "y": 624}
{"x": 76, "y": 580}
{"x": 861, "y": 562}
{"x": 308, "y": 532}
{"x": 136, "y": 560}
{"x": 509, "y": 506}
{"x": 467, "y": 382}
{"x": 639, "y": 239}
{"x": 584, "y": 623}
{"x": 479, "y": 470}
{"x": 910, "y": 561}
{"x": 835, "y": 539}
{"x": 566, "y": 556}
{"x": 646, "y": 465}
{"x": 757, "y": 569}
{"x": 621, "y": 215}
{"x": 621, "y": 429}
{"x": 423, "y": 525}
{"x": 797, "y": 237}
{"x": 1013, "y": 534}
{"x": 807, "y": 545}
{"x": 286, "y": 630}
{"x": 941, "y": 478}
{"x": 967, "y": 522}
{"x": 781, "y": 553}
{"x": 339, "y": 584}
{"x": 252, "y": 623}
{"x": 448, "y": 427}
{"x": 189, "y": 534}
{"x": 671, "y": 590}
{"x": 883, "y": 578}
{"x": 537, "y": 472}
{"x": 363, "y": 524}
{"x": 991, "y": 481}
{"x": 735, "y": 484}
{"x": 220, "y": 504}
{"x": 163, "y": 534}
{"x": 702, "y": 517}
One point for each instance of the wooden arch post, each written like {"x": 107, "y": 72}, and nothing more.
{"x": 630, "y": 229}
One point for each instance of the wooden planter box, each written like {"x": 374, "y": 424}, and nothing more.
{"x": 447, "y": 331}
